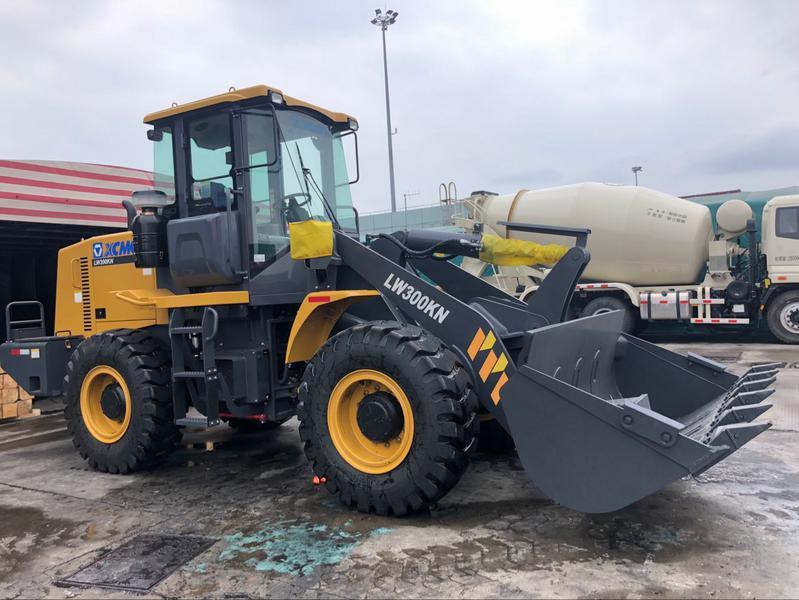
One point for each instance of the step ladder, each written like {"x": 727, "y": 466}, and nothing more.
{"x": 204, "y": 387}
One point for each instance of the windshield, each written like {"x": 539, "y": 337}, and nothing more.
{"x": 311, "y": 168}
{"x": 314, "y": 168}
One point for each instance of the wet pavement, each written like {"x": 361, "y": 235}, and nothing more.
{"x": 733, "y": 532}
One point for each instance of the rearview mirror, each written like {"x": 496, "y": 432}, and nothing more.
{"x": 351, "y": 154}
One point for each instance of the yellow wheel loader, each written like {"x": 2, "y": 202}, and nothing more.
{"x": 242, "y": 292}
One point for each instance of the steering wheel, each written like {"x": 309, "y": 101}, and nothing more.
{"x": 293, "y": 210}
{"x": 305, "y": 195}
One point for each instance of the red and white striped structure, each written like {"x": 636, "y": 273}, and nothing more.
{"x": 67, "y": 193}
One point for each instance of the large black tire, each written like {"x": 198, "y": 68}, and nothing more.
{"x": 144, "y": 367}
{"x": 439, "y": 392}
{"x": 604, "y": 304}
{"x": 783, "y": 317}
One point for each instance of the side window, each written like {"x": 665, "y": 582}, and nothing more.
{"x": 211, "y": 157}
{"x": 164, "y": 164}
{"x": 259, "y": 127}
{"x": 788, "y": 222}
{"x": 345, "y": 213}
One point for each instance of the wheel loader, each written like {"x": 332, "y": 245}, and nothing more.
{"x": 242, "y": 292}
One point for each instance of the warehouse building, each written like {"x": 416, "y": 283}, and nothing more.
{"x": 46, "y": 205}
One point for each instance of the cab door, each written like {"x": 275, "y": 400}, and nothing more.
{"x": 205, "y": 244}
{"x": 781, "y": 238}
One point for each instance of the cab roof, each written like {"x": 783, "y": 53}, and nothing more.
{"x": 234, "y": 95}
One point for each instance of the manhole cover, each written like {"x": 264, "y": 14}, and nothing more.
{"x": 137, "y": 565}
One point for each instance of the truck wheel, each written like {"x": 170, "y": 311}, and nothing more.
{"x": 118, "y": 401}
{"x": 387, "y": 415}
{"x": 605, "y": 304}
{"x": 783, "y": 317}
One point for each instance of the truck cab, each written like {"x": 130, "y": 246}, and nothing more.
{"x": 780, "y": 241}
{"x": 780, "y": 248}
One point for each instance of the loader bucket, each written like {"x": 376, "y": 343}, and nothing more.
{"x": 602, "y": 419}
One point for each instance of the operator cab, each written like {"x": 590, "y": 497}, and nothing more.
{"x": 233, "y": 171}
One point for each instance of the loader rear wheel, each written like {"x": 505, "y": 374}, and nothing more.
{"x": 118, "y": 401}
{"x": 387, "y": 415}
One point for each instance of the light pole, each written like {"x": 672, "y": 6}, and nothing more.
{"x": 383, "y": 21}
{"x": 637, "y": 170}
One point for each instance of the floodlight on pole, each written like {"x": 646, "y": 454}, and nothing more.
{"x": 383, "y": 20}
{"x": 637, "y": 170}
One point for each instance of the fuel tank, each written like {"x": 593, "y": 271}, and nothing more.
{"x": 638, "y": 235}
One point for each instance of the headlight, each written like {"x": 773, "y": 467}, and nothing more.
{"x": 277, "y": 97}
{"x": 353, "y": 124}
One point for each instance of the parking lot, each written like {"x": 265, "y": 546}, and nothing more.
{"x": 734, "y": 532}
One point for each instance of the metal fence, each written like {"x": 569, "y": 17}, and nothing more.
{"x": 418, "y": 217}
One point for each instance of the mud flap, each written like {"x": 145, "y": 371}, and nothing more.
{"x": 602, "y": 419}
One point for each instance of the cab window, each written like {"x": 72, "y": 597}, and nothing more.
{"x": 268, "y": 232}
{"x": 314, "y": 170}
{"x": 345, "y": 213}
{"x": 788, "y": 222}
{"x": 211, "y": 160}
{"x": 164, "y": 163}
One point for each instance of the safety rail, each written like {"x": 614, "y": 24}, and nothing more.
{"x": 30, "y": 332}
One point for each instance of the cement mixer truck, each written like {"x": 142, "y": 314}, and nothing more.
{"x": 656, "y": 257}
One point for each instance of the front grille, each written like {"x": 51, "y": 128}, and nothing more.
{"x": 85, "y": 292}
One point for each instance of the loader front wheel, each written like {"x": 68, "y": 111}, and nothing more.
{"x": 118, "y": 401}
{"x": 387, "y": 415}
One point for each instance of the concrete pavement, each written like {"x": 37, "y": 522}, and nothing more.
{"x": 734, "y": 532}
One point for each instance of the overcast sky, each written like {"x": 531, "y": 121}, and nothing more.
{"x": 492, "y": 95}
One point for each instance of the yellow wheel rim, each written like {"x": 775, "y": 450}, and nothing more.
{"x": 102, "y": 427}
{"x": 358, "y": 450}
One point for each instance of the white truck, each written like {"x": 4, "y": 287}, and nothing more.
{"x": 657, "y": 257}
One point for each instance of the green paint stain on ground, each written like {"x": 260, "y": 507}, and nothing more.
{"x": 292, "y": 547}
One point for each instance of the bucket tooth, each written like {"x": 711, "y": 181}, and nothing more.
{"x": 742, "y": 414}
{"x": 764, "y": 367}
{"x": 736, "y": 435}
{"x": 759, "y": 375}
{"x": 745, "y": 398}
{"x": 754, "y": 384}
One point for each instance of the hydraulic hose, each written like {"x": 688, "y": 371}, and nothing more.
{"x": 449, "y": 246}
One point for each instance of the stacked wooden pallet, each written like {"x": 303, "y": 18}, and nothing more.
{"x": 14, "y": 401}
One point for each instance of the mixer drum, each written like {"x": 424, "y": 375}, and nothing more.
{"x": 638, "y": 235}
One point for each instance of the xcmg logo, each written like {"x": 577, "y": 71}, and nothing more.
{"x": 110, "y": 253}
